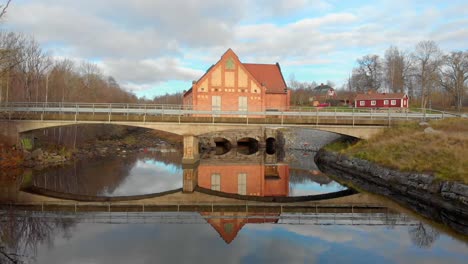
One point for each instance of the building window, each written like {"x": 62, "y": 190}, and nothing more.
{"x": 385, "y": 102}
{"x": 393, "y": 102}
{"x": 362, "y": 103}
{"x": 215, "y": 182}
{"x": 230, "y": 64}
{"x": 242, "y": 183}
{"x": 404, "y": 102}
{"x": 373, "y": 102}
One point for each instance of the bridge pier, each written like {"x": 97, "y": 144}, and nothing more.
{"x": 191, "y": 152}
{"x": 190, "y": 177}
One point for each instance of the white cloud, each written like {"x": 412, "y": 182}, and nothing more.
{"x": 147, "y": 42}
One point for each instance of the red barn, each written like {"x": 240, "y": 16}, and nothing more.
{"x": 382, "y": 100}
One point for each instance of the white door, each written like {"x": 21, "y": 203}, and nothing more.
{"x": 216, "y": 103}
{"x": 243, "y": 104}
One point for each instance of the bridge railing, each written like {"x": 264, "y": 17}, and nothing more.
{"x": 141, "y": 111}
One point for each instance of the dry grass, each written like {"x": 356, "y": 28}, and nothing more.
{"x": 408, "y": 148}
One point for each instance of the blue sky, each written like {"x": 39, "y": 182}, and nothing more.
{"x": 157, "y": 47}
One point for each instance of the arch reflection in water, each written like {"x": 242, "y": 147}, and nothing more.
{"x": 270, "y": 146}
{"x": 247, "y": 146}
{"x": 258, "y": 174}
{"x": 223, "y": 145}
{"x": 134, "y": 174}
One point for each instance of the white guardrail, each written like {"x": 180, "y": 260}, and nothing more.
{"x": 184, "y": 110}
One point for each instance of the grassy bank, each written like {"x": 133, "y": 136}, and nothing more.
{"x": 443, "y": 153}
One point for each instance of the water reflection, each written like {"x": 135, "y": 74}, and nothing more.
{"x": 262, "y": 174}
{"x": 35, "y": 237}
{"x": 258, "y": 174}
{"x": 133, "y": 174}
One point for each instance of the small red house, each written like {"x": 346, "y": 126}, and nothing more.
{"x": 382, "y": 100}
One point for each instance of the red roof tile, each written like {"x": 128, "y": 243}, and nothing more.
{"x": 268, "y": 75}
{"x": 379, "y": 96}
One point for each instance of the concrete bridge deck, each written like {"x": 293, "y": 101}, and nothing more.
{"x": 192, "y": 122}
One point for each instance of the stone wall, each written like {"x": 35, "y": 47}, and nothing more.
{"x": 442, "y": 201}
{"x": 307, "y": 139}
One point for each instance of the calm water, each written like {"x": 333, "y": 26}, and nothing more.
{"x": 383, "y": 233}
{"x": 148, "y": 173}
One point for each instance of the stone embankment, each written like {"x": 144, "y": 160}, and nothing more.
{"x": 443, "y": 201}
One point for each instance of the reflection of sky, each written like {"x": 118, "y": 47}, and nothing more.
{"x": 313, "y": 188}
{"x": 200, "y": 243}
{"x": 149, "y": 176}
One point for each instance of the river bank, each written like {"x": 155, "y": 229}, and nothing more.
{"x": 442, "y": 201}
{"x": 14, "y": 159}
{"x": 422, "y": 166}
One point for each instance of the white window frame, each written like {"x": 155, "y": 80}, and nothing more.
{"x": 393, "y": 102}
{"x": 362, "y": 103}
{"x": 385, "y": 102}
{"x": 242, "y": 183}
{"x": 373, "y": 103}
{"x": 216, "y": 182}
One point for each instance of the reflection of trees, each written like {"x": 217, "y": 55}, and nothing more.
{"x": 21, "y": 233}
{"x": 423, "y": 235}
{"x": 94, "y": 177}
{"x": 390, "y": 220}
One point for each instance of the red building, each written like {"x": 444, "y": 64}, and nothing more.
{"x": 248, "y": 179}
{"x": 231, "y": 85}
{"x": 381, "y": 100}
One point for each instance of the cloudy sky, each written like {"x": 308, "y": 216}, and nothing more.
{"x": 152, "y": 47}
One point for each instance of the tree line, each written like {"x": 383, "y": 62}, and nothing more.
{"x": 427, "y": 74}
{"x": 29, "y": 74}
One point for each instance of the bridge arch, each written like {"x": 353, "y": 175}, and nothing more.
{"x": 195, "y": 129}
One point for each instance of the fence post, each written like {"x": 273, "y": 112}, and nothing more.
{"x": 353, "y": 116}
{"x": 76, "y": 111}
{"x": 110, "y": 111}
{"x": 127, "y": 112}
{"x": 316, "y": 116}
{"x": 388, "y": 116}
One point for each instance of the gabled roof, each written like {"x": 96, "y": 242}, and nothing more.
{"x": 322, "y": 88}
{"x": 269, "y": 75}
{"x": 236, "y": 222}
{"x": 374, "y": 96}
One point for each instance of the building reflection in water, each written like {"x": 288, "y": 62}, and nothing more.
{"x": 228, "y": 224}
{"x": 258, "y": 174}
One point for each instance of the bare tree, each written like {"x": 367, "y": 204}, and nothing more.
{"x": 11, "y": 55}
{"x": 35, "y": 61}
{"x": 397, "y": 68}
{"x": 368, "y": 75}
{"x": 427, "y": 58}
{"x": 4, "y": 8}
{"x": 454, "y": 76}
